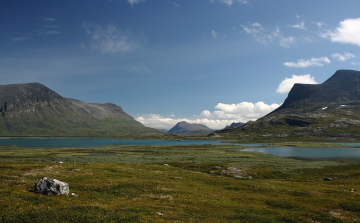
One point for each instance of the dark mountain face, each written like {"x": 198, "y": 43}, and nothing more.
{"x": 184, "y": 127}
{"x": 329, "y": 110}
{"x": 33, "y": 109}
{"x": 341, "y": 88}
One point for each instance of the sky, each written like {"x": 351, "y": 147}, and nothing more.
{"x": 209, "y": 62}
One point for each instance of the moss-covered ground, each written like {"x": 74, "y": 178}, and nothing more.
{"x": 204, "y": 183}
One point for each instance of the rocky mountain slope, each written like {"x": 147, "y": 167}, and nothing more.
{"x": 35, "y": 110}
{"x": 328, "y": 111}
{"x": 189, "y": 128}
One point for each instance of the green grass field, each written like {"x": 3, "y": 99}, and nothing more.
{"x": 203, "y": 183}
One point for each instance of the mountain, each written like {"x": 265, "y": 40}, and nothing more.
{"x": 341, "y": 88}
{"x": 184, "y": 127}
{"x": 330, "y": 110}
{"x": 35, "y": 110}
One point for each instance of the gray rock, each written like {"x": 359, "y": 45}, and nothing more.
{"x": 52, "y": 186}
{"x": 328, "y": 179}
{"x": 217, "y": 167}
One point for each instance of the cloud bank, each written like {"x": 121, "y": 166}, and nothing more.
{"x": 348, "y": 31}
{"x": 224, "y": 115}
{"x": 286, "y": 85}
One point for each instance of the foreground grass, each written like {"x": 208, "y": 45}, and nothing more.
{"x": 133, "y": 184}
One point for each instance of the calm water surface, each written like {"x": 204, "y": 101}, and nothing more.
{"x": 311, "y": 153}
{"x": 66, "y": 142}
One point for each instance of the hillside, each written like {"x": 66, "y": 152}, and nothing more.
{"x": 35, "y": 110}
{"x": 327, "y": 111}
{"x": 189, "y": 128}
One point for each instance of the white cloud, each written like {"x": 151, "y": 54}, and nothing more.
{"x": 110, "y": 39}
{"x": 206, "y": 113}
{"x": 230, "y": 2}
{"x": 263, "y": 36}
{"x": 348, "y": 31}
{"x": 159, "y": 122}
{"x": 132, "y": 2}
{"x": 299, "y": 26}
{"x": 308, "y": 63}
{"x": 320, "y": 24}
{"x": 286, "y": 85}
{"x": 254, "y": 28}
{"x": 214, "y": 34}
{"x": 343, "y": 57}
{"x": 243, "y": 111}
{"x": 283, "y": 41}
{"x": 224, "y": 115}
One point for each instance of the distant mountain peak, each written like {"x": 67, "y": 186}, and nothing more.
{"x": 184, "y": 127}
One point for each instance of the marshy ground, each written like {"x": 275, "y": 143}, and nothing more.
{"x": 199, "y": 183}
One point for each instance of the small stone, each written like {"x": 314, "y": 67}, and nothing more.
{"x": 328, "y": 179}
{"x": 217, "y": 167}
{"x": 74, "y": 195}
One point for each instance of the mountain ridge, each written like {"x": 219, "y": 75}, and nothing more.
{"x": 340, "y": 88}
{"x": 327, "y": 111}
{"x": 34, "y": 109}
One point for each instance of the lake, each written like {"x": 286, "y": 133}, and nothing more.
{"x": 79, "y": 142}
{"x": 287, "y": 151}
{"x": 311, "y": 153}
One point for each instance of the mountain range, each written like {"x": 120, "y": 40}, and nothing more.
{"x": 330, "y": 110}
{"x": 35, "y": 110}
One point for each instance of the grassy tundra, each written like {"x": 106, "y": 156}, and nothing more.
{"x": 204, "y": 183}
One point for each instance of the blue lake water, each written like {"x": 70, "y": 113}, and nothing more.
{"x": 77, "y": 142}
{"x": 287, "y": 151}
{"x": 311, "y": 153}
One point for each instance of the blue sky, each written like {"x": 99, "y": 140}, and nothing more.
{"x": 211, "y": 62}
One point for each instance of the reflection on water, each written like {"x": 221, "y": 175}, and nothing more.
{"x": 311, "y": 153}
